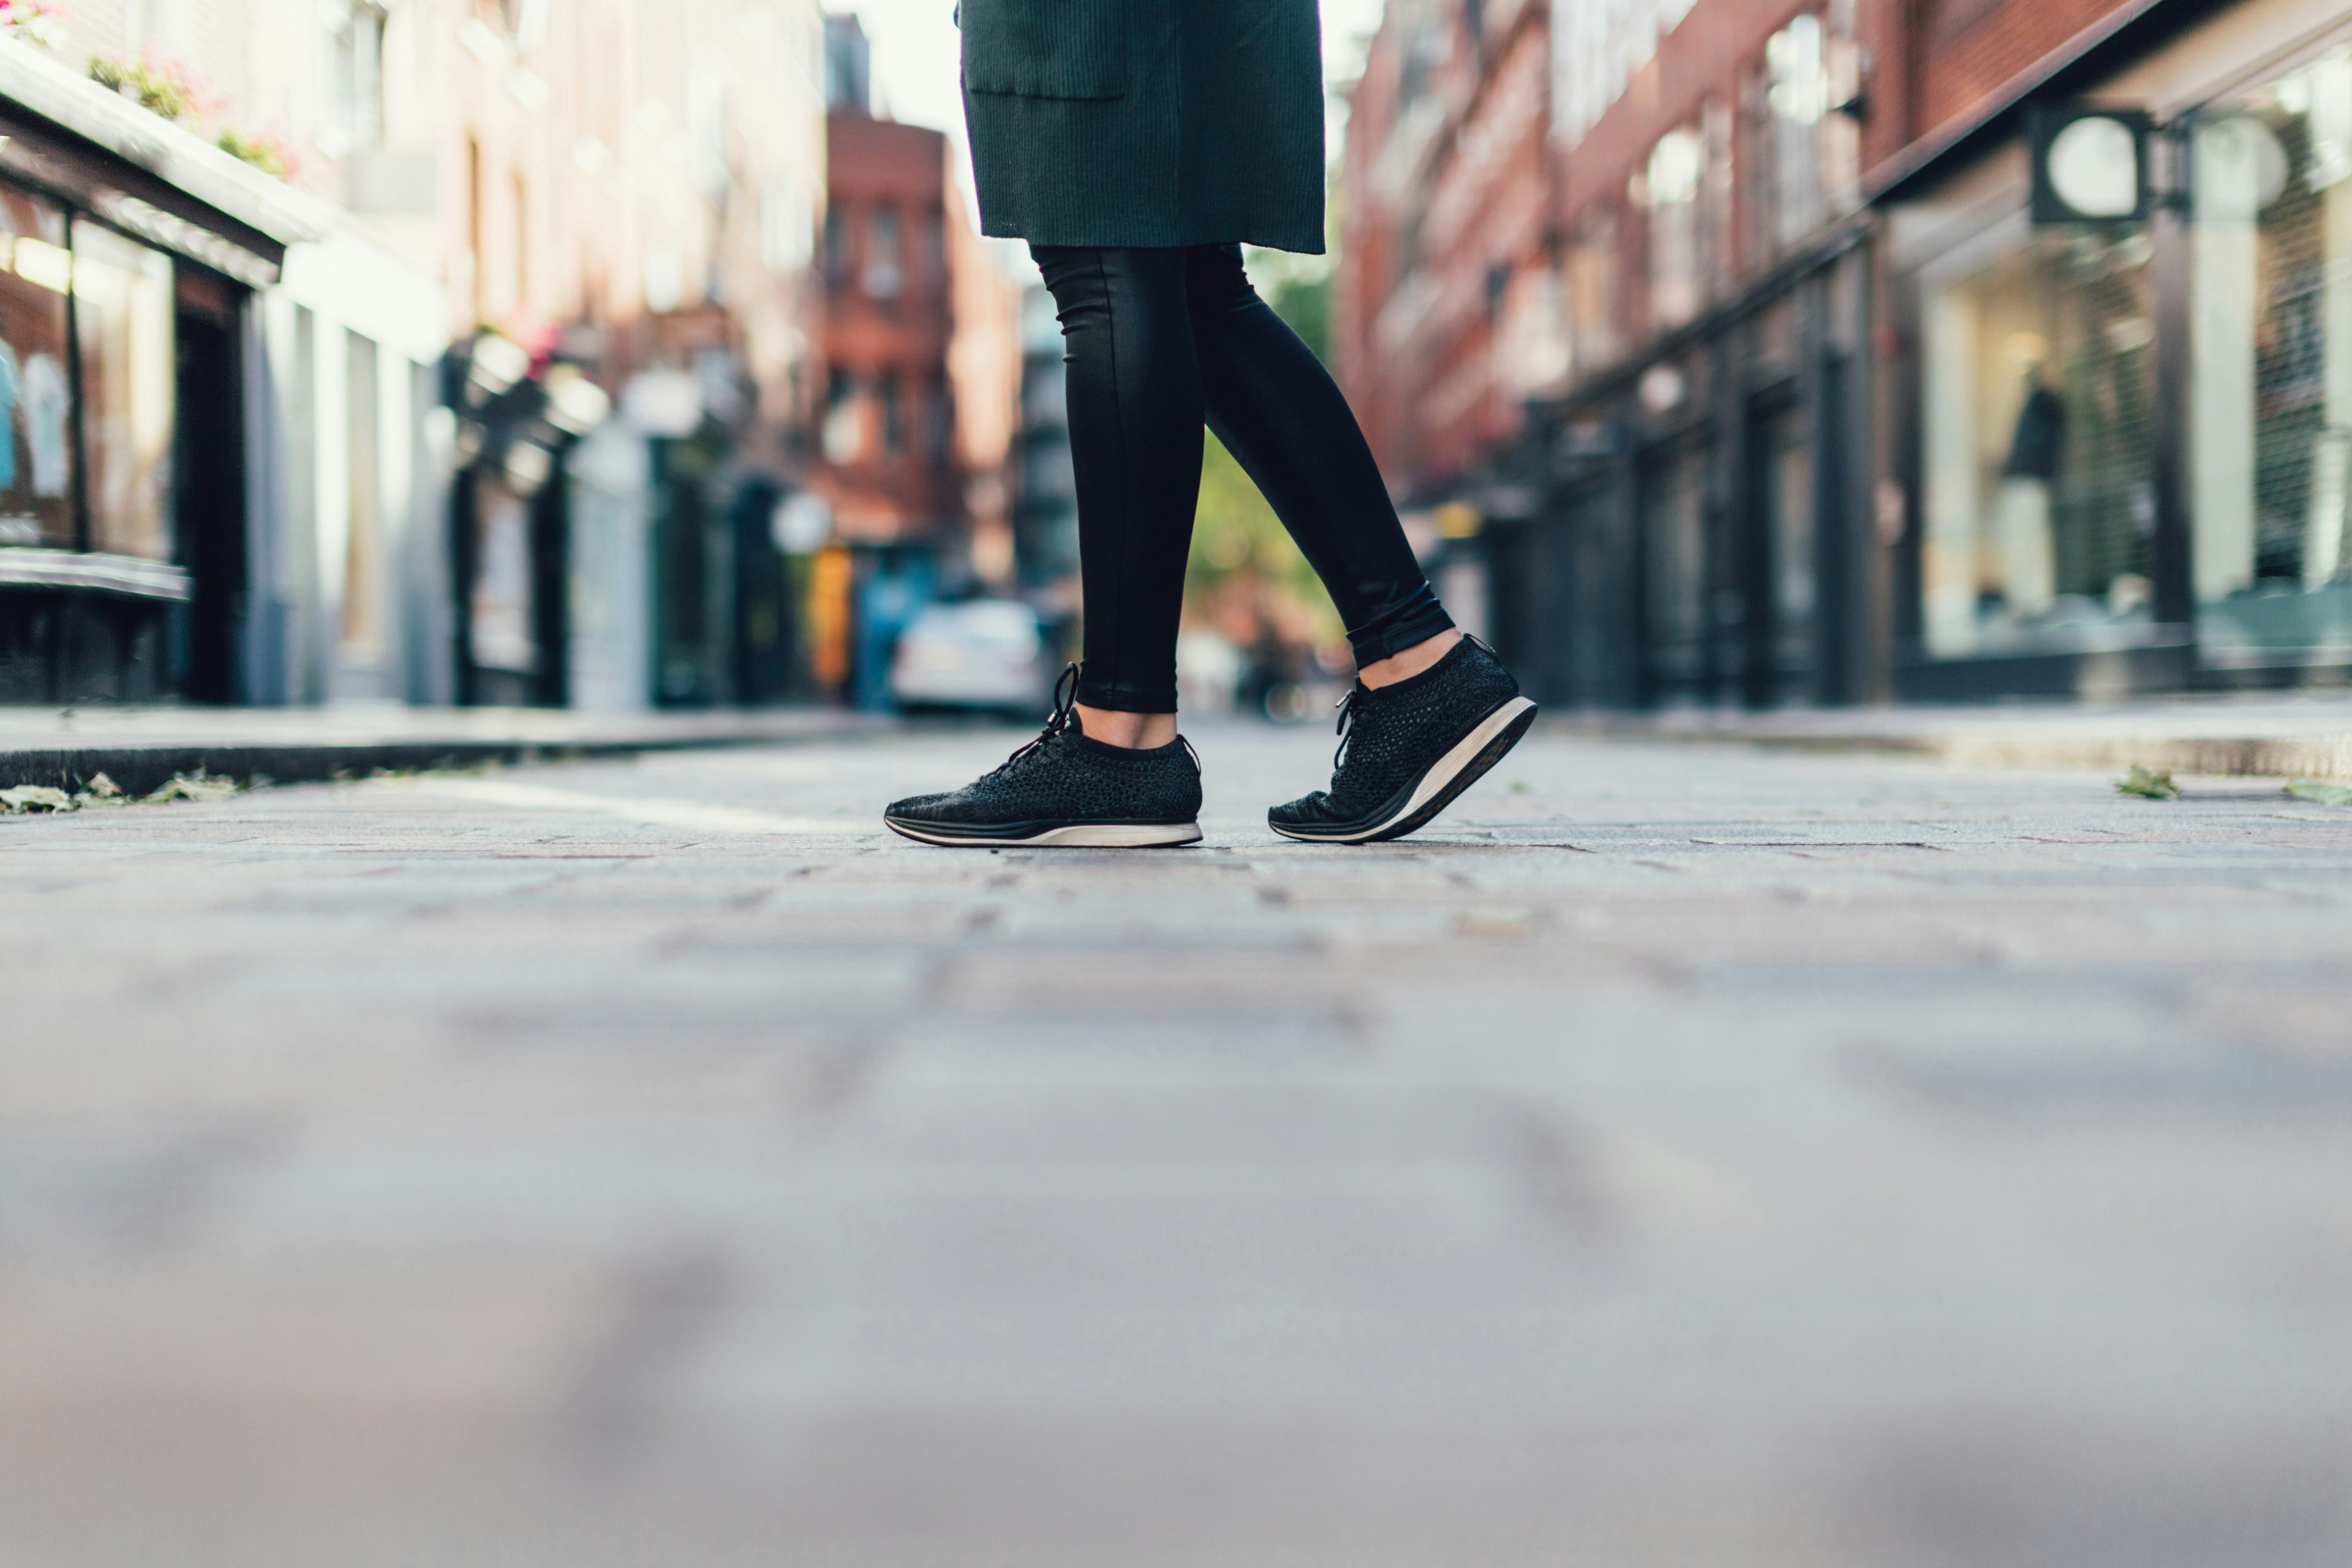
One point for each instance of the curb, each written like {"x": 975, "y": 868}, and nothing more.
{"x": 141, "y": 768}
{"x": 2321, "y": 754}
{"x": 2317, "y": 757}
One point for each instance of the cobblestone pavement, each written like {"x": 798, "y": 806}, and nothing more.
{"x": 1680, "y": 1155}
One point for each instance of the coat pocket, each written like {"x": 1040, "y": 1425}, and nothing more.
{"x": 1046, "y": 49}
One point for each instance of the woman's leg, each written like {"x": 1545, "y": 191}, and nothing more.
{"x": 1135, "y": 418}
{"x": 1277, "y": 409}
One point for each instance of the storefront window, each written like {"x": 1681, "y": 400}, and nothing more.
{"x": 2040, "y": 500}
{"x": 36, "y": 456}
{"x": 2271, "y": 405}
{"x": 501, "y": 629}
{"x": 1787, "y": 455}
{"x": 1674, "y": 529}
{"x": 122, "y": 299}
{"x": 365, "y": 589}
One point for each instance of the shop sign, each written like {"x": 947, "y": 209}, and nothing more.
{"x": 2090, "y": 163}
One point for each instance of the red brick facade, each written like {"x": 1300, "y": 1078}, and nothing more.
{"x": 1960, "y": 51}
{"x": 1435, "y": 225}
{"x": 885, "y": 402}
{"x": 1478, "y": 253}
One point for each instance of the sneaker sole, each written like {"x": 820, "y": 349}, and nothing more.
{"x": 1456, "y": 771}
{"x": 1067, "y": 836}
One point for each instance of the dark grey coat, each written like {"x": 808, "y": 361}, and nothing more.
{"x": 1147, "y": 123}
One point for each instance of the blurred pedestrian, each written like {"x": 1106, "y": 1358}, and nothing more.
{"x": 1137, "y": 145}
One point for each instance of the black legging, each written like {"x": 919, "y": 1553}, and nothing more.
{"x": 1159, "y": 340}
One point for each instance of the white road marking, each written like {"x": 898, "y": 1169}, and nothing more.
{"x": 693, "y": 816}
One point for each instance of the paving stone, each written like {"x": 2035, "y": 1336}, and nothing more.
{"x": 1678, "y": 1155}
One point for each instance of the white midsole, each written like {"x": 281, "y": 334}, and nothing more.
{"x": 1078, "y": 836}
{"x": 1438, "y": 777}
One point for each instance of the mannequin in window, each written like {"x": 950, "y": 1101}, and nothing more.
{"x": 2021, "y": 525}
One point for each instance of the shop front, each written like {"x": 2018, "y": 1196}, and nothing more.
{"x": 122, "y": 437}
{"x": 1695, "y": 538}
{"x": 2269, "y": 417}
{"x": 519, "y": 422}
{"x": 1696, "y": 535}
{"x": 2126, "y": 456}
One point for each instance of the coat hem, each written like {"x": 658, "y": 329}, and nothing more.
{"x": 1046, "y": 234}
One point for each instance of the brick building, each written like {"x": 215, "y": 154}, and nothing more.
{"x": 1445, "y": 212}
{"x": 1788, "y": 395}
{"x": 889, "y": 318}
{"x": 921, "y": 369}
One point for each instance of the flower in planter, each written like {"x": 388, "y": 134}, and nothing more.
{"x": 269, "y": 153}
{"x": 37, "y": 20}
{"x": 161, "y": 87}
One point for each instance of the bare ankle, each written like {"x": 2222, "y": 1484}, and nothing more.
{"x": 1409, "y": 662}
{"x": 1134, "y": 731}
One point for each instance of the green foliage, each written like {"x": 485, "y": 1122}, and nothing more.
{"x": 39, "y": 21}
{"x": 262, "y": 152}
{"x": 2324, "y": 793}
{"x": 1305, "y": 304}
{"x": 1236, "y": 535}
{"x": 1299, "y": 289}
{"x": 157, "y": 86}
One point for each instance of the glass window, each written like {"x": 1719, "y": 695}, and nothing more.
{"x": 939, "y": 419}
{"x": 1674, "y": 529}
{"x": 1787, "y": 454}
{"x": 2040, "y": 500}
{"x": 123, "y": 312}
{"x": 2271, "y": 403}
{"x": 1669, "y": 186}
{"x": 365, "y": 589}
{"x": 355, "y": 72}
{"x": 843, "y": 435}
{"x": 884, "y": 273}
{"x": 36, "y": 392}
{"x": 836, "y": 248}
{"x": 894, "y": 414}
{"x": 1807, "y": 154}
{"x": 1595, "y": 326}
{"x": 935, "y": 252}
{"x": 501, "y": 630}
{"x": 785, "y": 223}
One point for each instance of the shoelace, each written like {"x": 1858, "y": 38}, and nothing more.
{"x": 1347, "y": 707}
{"x": 1066, "y": 713}
{"x": 1346, "y": 704}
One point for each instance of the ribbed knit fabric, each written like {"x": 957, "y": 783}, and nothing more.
{"x": 1397, "y": 732}
{"x": 1068, "y": 778}
{"x": 1136, "y": 124}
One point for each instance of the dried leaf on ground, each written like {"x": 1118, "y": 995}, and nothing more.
{"x": 197, "y": 786}
{"x": 2324, "y": 793}
{"x": 2147, "y": 785}
{"x": 36, "y": 797}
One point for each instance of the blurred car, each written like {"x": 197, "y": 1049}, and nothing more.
{"x": 986, "y": 654}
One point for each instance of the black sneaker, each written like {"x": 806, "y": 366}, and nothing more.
{"x": 1064, "y": 789}
{"x": 1410, "y": 748}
